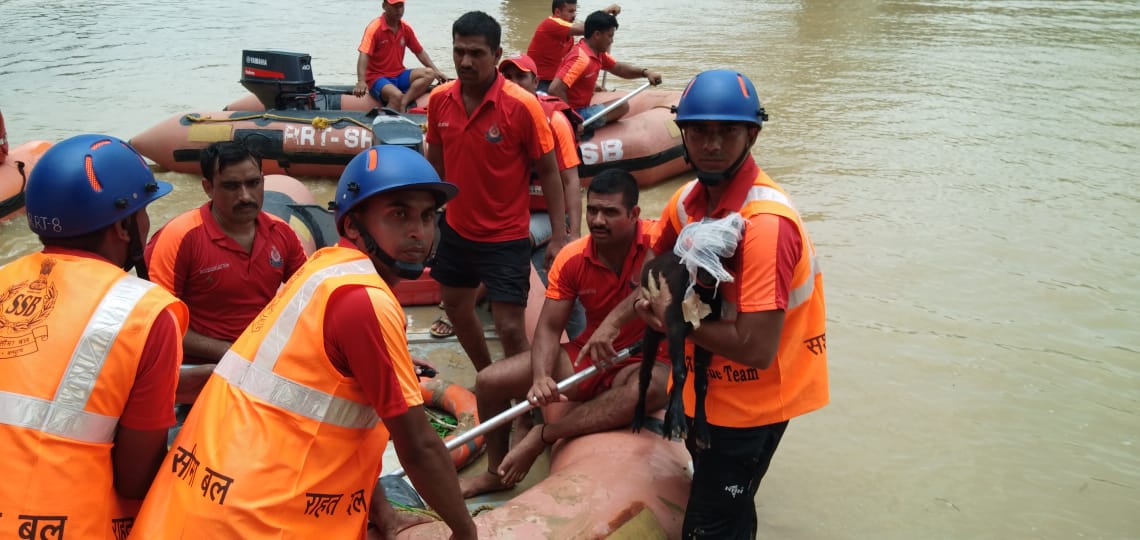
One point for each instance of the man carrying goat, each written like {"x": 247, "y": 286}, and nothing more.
{"x": 769, "y": 346}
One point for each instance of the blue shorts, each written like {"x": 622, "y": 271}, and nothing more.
{"x": 401, "y": 82}
{"x": 590, "y": 110}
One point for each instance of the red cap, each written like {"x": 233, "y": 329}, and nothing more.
{"x": 520, "y": 61}
{"x": 395, "y": 1}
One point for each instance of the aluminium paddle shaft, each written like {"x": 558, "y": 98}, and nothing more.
{"x": 524, "y": 406}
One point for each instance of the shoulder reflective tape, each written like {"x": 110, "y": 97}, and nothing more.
{"x": 278, "y": 334}
{"x": 292, "y": 396}
{"x": 800, "y": 294}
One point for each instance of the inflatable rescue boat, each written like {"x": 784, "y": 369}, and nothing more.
{"x": 303, "y": 129}
{"x": 15, "y": 165}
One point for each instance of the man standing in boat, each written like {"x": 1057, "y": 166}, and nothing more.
{"x": 89, "y": 355}
{"x": 521, "y": 70}
{"x": 769, "y": 348}
{"x": 380, "y": 67}
{"x": 600, "y": 271}
{"x": 578, "y": 73}
{"x": 287, "y": 434}
{"x": 225, "y": 259}
{"x": 554, "y": 37}
{"x": 486, "y": 134}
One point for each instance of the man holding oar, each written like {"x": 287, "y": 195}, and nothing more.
{"x": 286, "y": 435}
{"x": 554, "y": 36}
{"x": 600, "y": 270}
{"x": 577, "y": 75}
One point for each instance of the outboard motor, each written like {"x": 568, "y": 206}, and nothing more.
{"x": 281, "y": 80}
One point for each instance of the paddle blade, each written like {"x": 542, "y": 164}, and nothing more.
{"x": 400, "y": 493}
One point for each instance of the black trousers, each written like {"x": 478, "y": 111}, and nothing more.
{"x": 725, "y": 479}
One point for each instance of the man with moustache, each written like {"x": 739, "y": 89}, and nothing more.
{"x": 287, "y": 437}
{"x": 485, "y": 134}
{"x": 224, "y": 259}
{"x": 599, "y": 270}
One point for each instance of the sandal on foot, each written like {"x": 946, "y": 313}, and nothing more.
{"x": 441, "y": 328}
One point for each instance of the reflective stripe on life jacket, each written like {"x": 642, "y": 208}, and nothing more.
{"x": 72, "y": 331}
{"x": 289, "y": 446}
{"x": 64, "y": 415}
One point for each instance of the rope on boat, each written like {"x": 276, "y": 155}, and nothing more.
{"x": 318, "y": 122}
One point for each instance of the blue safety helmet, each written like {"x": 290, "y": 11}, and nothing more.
{"x": 86, "y": 183}
{"x": 386, "y": 168}
{"x": 720, "y": 95}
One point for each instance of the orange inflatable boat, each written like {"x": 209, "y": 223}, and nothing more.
{"x": 644, "y": 142}
{"x": 297, "y": 143}
{"x": 13, "y": 176}
{"x": 614, "y": 484}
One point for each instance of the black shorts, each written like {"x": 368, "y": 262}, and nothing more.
{"x": 503, "y": 266}
{"x": 725, "y": 479}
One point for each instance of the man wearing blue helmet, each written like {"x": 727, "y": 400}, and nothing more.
{"x": 306, "y": 386}
{"x": 89, "y": 354}
{"x": 769, "y": 349}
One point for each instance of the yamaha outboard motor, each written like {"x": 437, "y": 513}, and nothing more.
{"x": 281, "y": 80}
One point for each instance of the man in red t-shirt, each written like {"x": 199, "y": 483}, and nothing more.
{"x": 485, "y": 134}
{"x": 599, "y": 270}
{"x": 578, "y": 74}
{"x": 225, "y": 259}
{"x": 554, "y": 36}
{"x": 380, "y": 67}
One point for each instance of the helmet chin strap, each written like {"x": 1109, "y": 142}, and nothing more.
{"x": 404, "y": 270}
{"x": 135, "y": 257}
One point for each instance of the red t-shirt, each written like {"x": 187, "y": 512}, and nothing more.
{"x": 565, "y": 152}
{"x": 577, "y": 273}
{"x": 385, "y": 48}
{"x": 224, "y": 287}
{"x": 150, "y": 404}
{"x": 766, "y": 258}
{"x": 579, "y": 72}
{"x": 355, "y": 344}
{"x": 551, "y": 41}
{"x": 489, "y": 155}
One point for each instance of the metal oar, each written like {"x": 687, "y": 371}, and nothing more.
{"x": 615, "y": 104}
{"x": 523, "y": 406}
{"x": 401, "y": 493}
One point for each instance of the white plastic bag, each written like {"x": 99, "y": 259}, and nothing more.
{"x": 701, "y": 245}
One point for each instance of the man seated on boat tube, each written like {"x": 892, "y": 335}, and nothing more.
{"x": 286, "y": 438}
{"x": 554, "y": 36}
{"x": 577, "y": 75}
{"x": 521, "y": 70}
{"x": 600, "y": 270}
{"x": 380, "y": 67}
{"x": 225, "y": 259}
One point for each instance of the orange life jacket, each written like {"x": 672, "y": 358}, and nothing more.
{"x": 279, "y": 443}
{"x": 550, "y": 104}
{"x": 72, "y": 330}
{"x": 796, "y": 381}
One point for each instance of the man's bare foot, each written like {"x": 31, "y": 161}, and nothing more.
{"x": 520, "y": 459}
{"x": 486, "y": 482}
